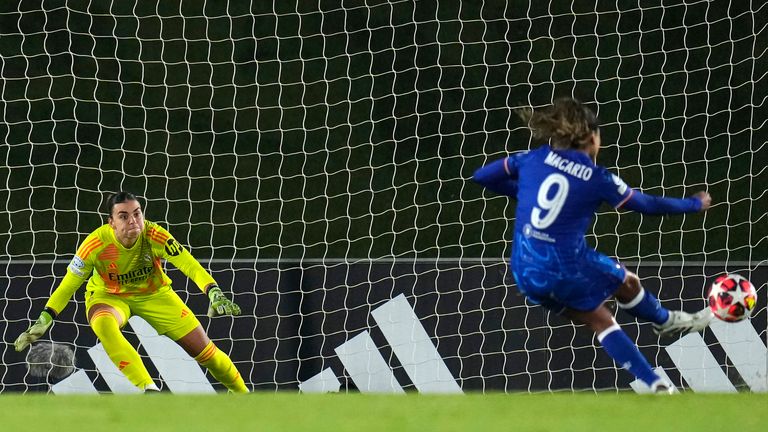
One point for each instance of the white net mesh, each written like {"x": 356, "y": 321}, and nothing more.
{"x": 317, "y": 156}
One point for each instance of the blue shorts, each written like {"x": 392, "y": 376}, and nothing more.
{"x": 580, "y": 279}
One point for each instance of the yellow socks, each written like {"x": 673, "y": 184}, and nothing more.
{"x": 120, "y": 351}
{"x": 125, "y": 357}
{"x": 221, "y": 368}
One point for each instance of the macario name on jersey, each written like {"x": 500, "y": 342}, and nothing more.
{"x": 575, "y": 169}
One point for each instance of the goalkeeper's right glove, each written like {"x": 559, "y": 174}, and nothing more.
{"x": 34, "y": 332}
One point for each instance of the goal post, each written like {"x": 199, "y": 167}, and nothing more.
{"x": 317, "y": 158}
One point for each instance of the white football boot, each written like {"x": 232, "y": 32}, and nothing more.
{"x": 682, "y": 323}
{"x": 662, "y": 387}
{"x": 151, "y": 388}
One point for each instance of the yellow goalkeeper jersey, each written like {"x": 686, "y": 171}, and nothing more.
{"x": 112, "y": 268}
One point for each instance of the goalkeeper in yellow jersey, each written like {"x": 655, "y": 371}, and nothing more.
{"x": 122, "y": 262}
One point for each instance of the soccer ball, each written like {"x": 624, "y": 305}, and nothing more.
{"x": 732, "y": 297}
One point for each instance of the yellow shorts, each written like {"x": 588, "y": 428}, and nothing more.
{"x": 163, "y": 310}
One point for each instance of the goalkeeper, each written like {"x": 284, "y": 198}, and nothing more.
{"x": 558, "y": 188}
{"x": 121, "y": 261}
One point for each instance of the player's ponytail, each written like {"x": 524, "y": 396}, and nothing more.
{"x": 117, "y": 198}
{"x": 567, "y": 124}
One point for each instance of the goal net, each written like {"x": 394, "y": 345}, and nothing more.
{"x": 316, "y": 157}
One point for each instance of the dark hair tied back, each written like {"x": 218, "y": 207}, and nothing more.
{"x": 117, "y": 198}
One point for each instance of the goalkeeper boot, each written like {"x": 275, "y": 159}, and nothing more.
{"x": 151, "y": 389}
{"x": 682, "y": 323}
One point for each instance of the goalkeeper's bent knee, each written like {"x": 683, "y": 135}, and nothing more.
{"x": 119, "y": 350}
{"x": 221, "y": 368}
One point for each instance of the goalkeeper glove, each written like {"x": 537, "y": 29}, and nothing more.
{"x": 34, "y": 332}
{"x": 220, "y": 305}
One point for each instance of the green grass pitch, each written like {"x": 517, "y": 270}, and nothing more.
{"x": 282, "y": 411}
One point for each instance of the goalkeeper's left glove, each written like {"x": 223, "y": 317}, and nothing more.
{"x": 34, "y": 332}
{"x": 220, "y": 305}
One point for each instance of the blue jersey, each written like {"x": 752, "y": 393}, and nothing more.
{"x": 559, "y": 192}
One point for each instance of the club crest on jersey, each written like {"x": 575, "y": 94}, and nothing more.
{"x": 77, "y": 265}
{"x": 172, "y": 247}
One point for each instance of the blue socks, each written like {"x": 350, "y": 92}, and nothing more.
{"x": 626, "y": 354}
{"x": 646, "y": 307}
{"x": 621, "y": 348}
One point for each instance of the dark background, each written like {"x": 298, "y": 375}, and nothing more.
{"x": 332, "y": 129}
{"x": 326, "y": 149}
